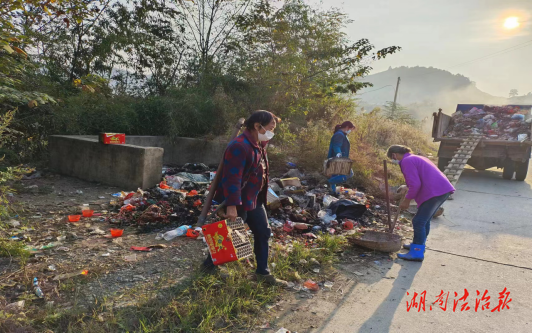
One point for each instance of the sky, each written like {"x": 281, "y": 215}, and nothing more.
{"x": 446, "y": 34}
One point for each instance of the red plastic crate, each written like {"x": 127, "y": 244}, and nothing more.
{"x": 227, "y": 241}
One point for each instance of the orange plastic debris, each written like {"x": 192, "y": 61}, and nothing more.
{"x": 87, "y": 213}
{"x": 116, "y": 232}
{"x": 74, "y": 218}
{"x": 311, "y": 285}
{"x": 127, "y": 207}
{"x": 348, "y": 225}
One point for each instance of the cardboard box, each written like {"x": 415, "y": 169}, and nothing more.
{"x": 291, "y": 182}
{"x": 273, "y": 201}
{"x": 227, "y": 241}
{"x": 112, "y": 138}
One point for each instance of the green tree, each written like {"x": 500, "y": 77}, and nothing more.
{"x": 296, "y": 57}
{"x": 398, "y": 113}
{"x": 17, "y": 18}
{"x": 154, "y": 47}
{"x": 211, "y": 23}
{"x": 513, "y": 93}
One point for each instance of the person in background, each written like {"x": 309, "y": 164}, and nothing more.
{"x": 244, "y": 186}
{"x": 339, "y": 146}
{"x": 428, "y": 186}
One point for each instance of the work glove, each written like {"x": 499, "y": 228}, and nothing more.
{"x": 339, "y": 155}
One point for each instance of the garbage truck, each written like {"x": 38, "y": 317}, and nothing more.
{"x": 505, "y": 133}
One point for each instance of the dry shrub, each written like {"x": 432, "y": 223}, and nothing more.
{"x": 369, "y": 143}
{"x": 374, "y": 129}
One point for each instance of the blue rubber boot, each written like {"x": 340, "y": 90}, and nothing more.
{"x": 333, "y": 181}
{"x": 408, "y": 247}
{"x": 416, "y": 253}
{"x": 337, "y": 179}
{"x": 333, "y": 188}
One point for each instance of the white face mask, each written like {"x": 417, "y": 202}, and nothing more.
{"x": 348, "y": 131}
{"x": 395, "y": 161}
{"x": 267, "y": 136}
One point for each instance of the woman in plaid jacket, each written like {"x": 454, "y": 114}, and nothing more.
{"x": 244, "y": 186}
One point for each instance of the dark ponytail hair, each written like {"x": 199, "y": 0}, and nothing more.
{"x": 344, "y": 124}
{"x": 398, "y": 149}
{"x": 262, "y": 117}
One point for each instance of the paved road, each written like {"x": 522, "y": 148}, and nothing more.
{"x": 489, "y": 226}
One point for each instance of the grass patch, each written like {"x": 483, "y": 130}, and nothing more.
{"x": 13, "y": 249}
{"x": 204, "y": 303}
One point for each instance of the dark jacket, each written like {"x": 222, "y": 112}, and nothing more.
{"x": 339, "y": 144}
{"x": 242, "y": 174}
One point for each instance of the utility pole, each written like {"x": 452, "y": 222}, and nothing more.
{"x": 395, "y": 96}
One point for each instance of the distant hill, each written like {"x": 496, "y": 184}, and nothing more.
{"x": 423, "y": 90}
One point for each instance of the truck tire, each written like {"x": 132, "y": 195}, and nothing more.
{"x": 508, "y": 169}
{"x": 521, "y": 170}
{"x": 443, "y": 163}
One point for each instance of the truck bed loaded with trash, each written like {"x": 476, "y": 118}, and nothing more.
{"x": 484, "y": 136}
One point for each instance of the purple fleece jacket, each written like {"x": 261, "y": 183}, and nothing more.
{"x": 424, "y": 179}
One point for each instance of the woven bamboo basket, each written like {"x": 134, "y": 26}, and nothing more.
{"x": 379, "y": 241}
{"x": 337, "y": 166}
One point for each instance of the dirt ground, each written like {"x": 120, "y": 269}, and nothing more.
{"x": 112, "y": 268}
{"x": 121, "y": 277}
{"x": 306, "y": 311}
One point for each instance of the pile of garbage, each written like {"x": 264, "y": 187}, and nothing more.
{"x": 493, "y": 122}
{"x": 176, "y": 200}
{"x": 297, "y": 204}
{"x": 302, "y": 210}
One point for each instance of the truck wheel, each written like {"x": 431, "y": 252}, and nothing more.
{"x": 443, "y": 163}
{"x": 521, "y": 170}
{"x": 508, "y": 169}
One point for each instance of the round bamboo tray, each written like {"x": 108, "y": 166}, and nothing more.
{"x": 379, "y": 241}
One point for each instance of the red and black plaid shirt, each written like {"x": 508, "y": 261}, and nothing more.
{"x": 243, "y": 176}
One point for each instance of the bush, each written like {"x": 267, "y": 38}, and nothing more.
{"x": 186, "y": 112}
{"x": 369, "y": 142}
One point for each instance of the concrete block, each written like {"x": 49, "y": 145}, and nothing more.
{"x": 126, "y": 166}
{"x": 180, "y": 151}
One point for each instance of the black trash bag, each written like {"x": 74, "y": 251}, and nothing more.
{"x": 195, "y": 167}
{"x": 347, "y": 209}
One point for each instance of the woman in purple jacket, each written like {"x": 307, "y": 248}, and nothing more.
{"x": 428, "y": 186}
{"x": 244, "y": 187}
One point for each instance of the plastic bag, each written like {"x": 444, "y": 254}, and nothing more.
{"x": 348, "y": 209}
{"x": 174, "y": 181}
{"x": 328, "y": 200}
{"x": 327, "y": 218}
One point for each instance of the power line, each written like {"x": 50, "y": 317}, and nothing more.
{"x": 510, "y": 49}
{"x": 388, "y": 85}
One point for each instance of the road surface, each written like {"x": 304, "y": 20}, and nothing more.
{"x": 483, "y": 242}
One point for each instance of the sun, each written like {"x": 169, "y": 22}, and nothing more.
{"x": 511, "y": 22}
